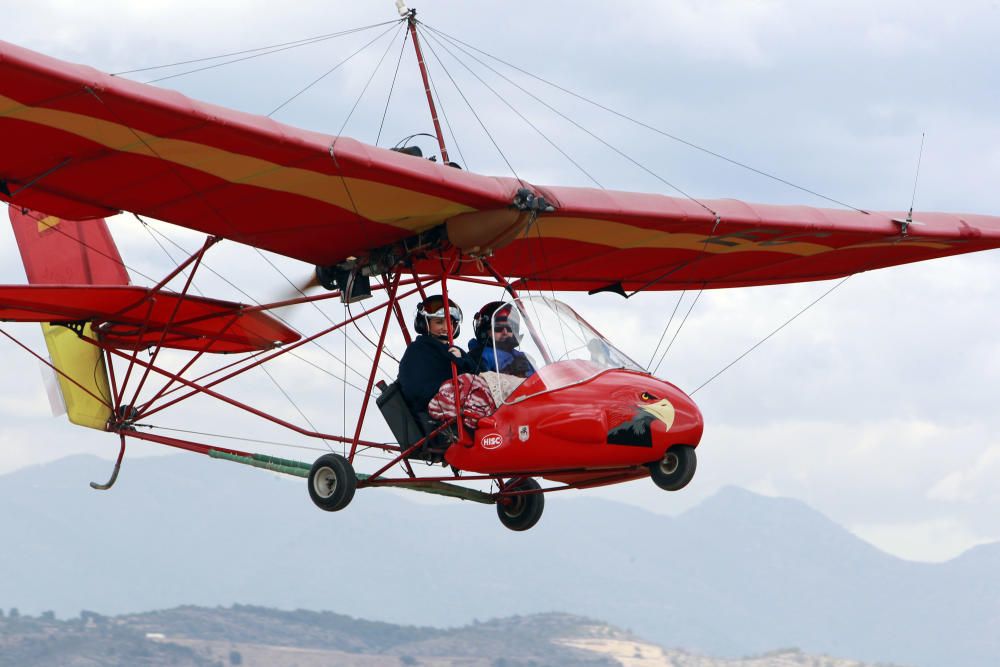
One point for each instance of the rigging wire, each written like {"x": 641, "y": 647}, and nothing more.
{"x": 652, "y": 128}
{"x": 392, "y": 86}
{"x": 444, "y": 114}
{"x": 378, "y": 66}
{"x": 519, "y": 114}
{"x": 476, "y": 115}
{"x": 230, "y": 62}
{"x": 656, "y": 350}
{"x": 315, "y": 306}
{"x": 295, "y": 405}
{"x": 273, "y": 48}
{"x": 166, "y": 252}
{"x": 258, "y": 303}
{"x": 679, "y": 327}
{"x": 334, "y": 68}
{"x": 258, "y": 441}
{"x": 368, "y": 318}
{"x": 763, "y": 340}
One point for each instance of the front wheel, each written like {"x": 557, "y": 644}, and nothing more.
{"x": 675, "y": 469}
{"x": 521, "y": 511}
{"x": 332, "y": 482}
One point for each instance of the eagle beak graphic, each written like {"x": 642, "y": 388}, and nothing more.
{"x": 662, "y": 410}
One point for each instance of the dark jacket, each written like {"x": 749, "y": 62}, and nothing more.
{"x": 513, "y": 362}
{"x": 426, "y": 363}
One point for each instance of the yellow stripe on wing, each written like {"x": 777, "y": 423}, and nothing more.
{"x": 383, "y": 203}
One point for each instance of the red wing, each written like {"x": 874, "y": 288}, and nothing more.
{"x": 135, "y": 317}
{"x": 83, "y": 144}
{"x": 599, "y": 239}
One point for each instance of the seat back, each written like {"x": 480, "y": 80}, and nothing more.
{"x": 405, "y": 427}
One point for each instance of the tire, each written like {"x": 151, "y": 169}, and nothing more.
{"x": 332, "y": 482}
{"x": 675, "y": 469}
{"x": 521, "y": 512}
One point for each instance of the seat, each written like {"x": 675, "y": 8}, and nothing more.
{"x": 409, "y": 427}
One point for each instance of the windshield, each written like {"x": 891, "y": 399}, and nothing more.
{"x": 546, "y": 341}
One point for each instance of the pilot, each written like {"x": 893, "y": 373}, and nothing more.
{"x": 495, "y": 346}
{"x": 428, "y": 360}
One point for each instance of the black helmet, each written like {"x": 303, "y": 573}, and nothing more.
{"x": 494, "y": 311}
{"x": 433, "y": 306}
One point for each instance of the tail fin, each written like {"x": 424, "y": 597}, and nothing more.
{"x": 66, "y": 252}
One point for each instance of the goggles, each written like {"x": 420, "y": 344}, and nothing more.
{"x": 438, "y": 314}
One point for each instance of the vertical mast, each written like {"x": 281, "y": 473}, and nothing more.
{"x": 411, "y": 19}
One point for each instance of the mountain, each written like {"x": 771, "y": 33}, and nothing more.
{"x": 739, "y": 574}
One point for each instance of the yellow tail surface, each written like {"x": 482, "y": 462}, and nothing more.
{"x": 82, "y": 375}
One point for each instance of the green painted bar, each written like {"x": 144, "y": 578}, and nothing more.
{"x": 281, "y": 462}
{"x": 294, "y": 470}
{"x": 301, "y": 469}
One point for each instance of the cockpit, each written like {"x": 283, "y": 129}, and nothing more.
{"x": 539, "y": 344}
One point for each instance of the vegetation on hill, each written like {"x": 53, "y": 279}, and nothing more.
{"x": 249, "y": 636}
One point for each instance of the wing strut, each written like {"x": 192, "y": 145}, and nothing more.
{"x": 114, "y": 473}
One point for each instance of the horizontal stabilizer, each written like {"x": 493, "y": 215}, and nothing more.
{"x": 134, "y": 317}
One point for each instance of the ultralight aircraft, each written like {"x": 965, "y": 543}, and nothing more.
{"x": 380, "y": 226}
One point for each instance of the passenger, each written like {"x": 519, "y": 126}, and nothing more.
{"x": 495, "y": 346}
{"x": 428, "y": 360}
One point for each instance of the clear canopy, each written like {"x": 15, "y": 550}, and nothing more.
{"x": 552, "y": 342}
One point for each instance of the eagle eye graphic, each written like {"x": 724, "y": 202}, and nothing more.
{"x": 646, "y": 396}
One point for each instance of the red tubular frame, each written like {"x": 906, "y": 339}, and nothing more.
{"x": 412, "y": 20}
{"x": 123, "y": 419}
{"x": 451, "y": 342}
{"x": 371, "y": 378}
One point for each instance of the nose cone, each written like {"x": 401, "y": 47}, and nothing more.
{"x": 642, "y": 410}
{"x": 681, "y": 418}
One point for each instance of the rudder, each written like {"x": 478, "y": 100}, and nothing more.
{"x": 65, "y": 252}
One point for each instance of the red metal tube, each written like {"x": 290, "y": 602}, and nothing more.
{"x": 427, "y": 88}
{"x": 371, "y": 378}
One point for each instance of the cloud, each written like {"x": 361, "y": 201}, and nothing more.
{"x": 876, "y": 406}
{"x": 974, "y": 484}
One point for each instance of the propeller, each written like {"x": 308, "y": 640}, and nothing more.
{"x": 355, "y": 284}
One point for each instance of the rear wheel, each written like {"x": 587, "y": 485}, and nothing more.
{"x": 332, "y": 482}
{"x": 523, "y": 510}
{"x": 675, "y": 469}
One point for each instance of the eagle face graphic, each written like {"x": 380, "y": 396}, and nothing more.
{"x": 630, "y": 421}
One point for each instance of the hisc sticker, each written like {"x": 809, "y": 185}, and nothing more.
{"x": 491, "y": 440}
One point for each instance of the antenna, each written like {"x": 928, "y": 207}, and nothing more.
{"x": 401, "y": 8}
{"x": 909, "y": 216}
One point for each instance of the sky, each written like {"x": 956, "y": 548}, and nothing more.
{"x": 877, "y": 406}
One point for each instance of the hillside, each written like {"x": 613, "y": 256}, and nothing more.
{"x": 256, "y": 636}
{"x": 740, "y": 574}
